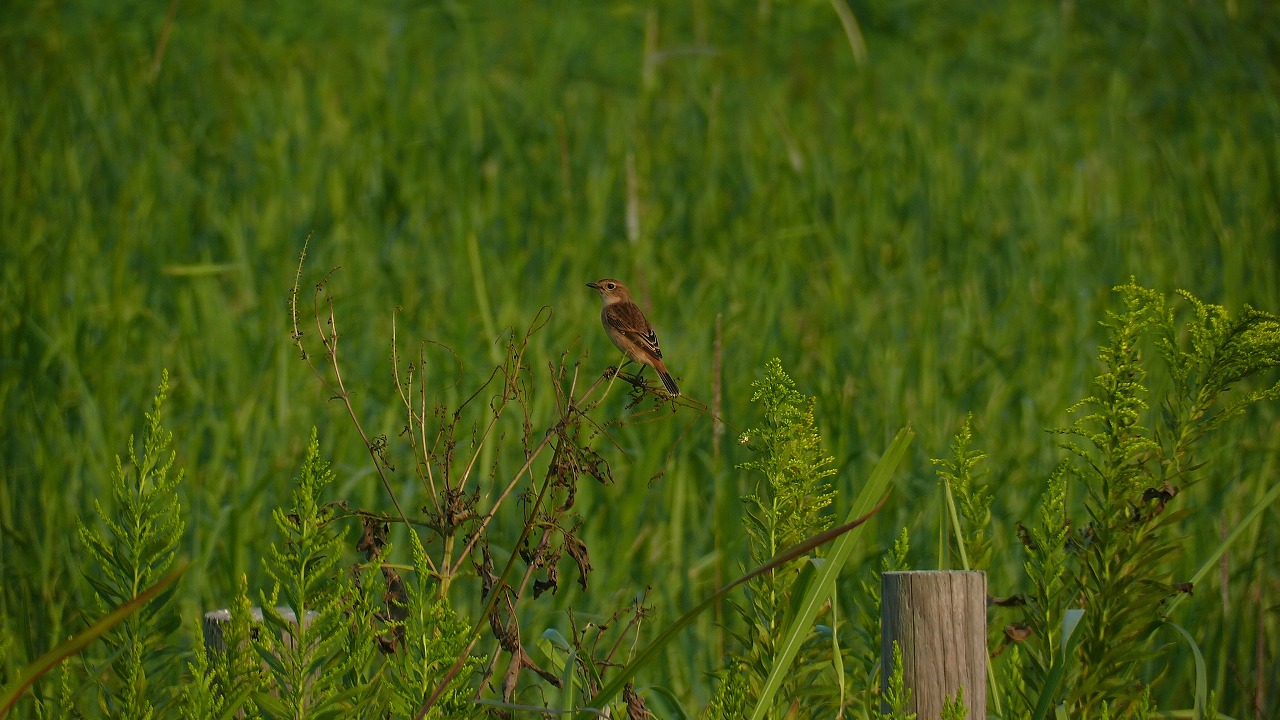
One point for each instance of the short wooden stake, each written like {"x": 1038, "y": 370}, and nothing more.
{"x": 215, "y": 622}
{"x": 939, "y": 620}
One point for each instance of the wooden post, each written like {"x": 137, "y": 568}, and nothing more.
{"x": 215, "y": 626}
{"x": 939, "y": 620}
{"x": 215, "y": 622}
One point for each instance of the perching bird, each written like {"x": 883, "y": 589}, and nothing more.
{"x": 628, "y": 328}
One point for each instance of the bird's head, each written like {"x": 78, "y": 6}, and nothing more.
{"x": 611, "y": 291}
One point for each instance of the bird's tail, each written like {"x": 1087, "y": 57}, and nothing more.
{"x": 668, "y": 383}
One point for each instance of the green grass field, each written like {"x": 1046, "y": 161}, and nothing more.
{"x": 925, "y": 233}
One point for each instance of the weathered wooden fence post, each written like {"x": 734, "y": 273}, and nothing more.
{"x": 215, "y": 631}
{"x": 939, "y": 621}
{"x": 215, "y": 622}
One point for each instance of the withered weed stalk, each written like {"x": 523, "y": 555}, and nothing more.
{"x": 467, "y": 482}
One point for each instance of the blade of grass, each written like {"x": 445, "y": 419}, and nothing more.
{"x": 1202, "y": 689}
{"x": 1211, "y": 561}
{"x": 1070, "y": 638}
{"x": 837, "y": 662}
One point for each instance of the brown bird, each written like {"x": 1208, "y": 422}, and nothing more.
{"x": 628, "y": 328}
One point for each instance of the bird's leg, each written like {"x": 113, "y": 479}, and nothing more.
{"x": 637, "y": 383}
{"x": 614, "y": 371}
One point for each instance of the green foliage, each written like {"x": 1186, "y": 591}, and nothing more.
{"x": 8, "y": 664}
{"x": 788, "y": 453}
{"x": 308, "y": 654}
{"x": 366, "y": 636}
{"x": 962, "y": 488}
{"x": 953, "y": 708}
{"x": 1218, "y": 353}
{"x": 355, "y": 651}
{"x": 821, "y": 589}
{"x": 1145, "y": 710}
{"x": 788, "y": 507}
{"x": 62, "y": 704}
{"x": 1010, "y": 670}
{"x": 137, "y": 549}
{"x": 842, "y": 539}
{"x": 75, "y": 644}
{"x": 897, "y": 696}
{"x": 225, "y": 678}
{"x": 1116, "y": 565}
{"x": 433, "y": 637}
{"x": 866, "y": 652}
{"x": 201, "y": 697}
{"x": 1050, "y": 592}
{"x": 731, "y": 700}
{"x": 920, "y": 234}
{"x": 6, "y": 645}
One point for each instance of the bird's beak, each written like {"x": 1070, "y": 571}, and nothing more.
{"x": 593, "y": 286}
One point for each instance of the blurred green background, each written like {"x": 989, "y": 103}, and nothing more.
{"x": 927, "y": 231}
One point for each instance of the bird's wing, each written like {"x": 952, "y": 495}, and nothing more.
{"x": 627, "y": 319}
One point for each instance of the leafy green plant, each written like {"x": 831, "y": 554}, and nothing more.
{"x": 1047, "y": 571}
{"x": 309, "y": 655}
{"x": 200, "y": 695}
{"x": 841, "y": 537}
{"x": 897, "y": 696}
{"x": 788, "y": 506}
{"x": 432, "y": 637}
{"x": 953, "y": 708}
{"x": 783, "y": 664}
{"x": 137, "y": 548}
{"x": 732, "y": 693}
{"x": 968, "y": 500}
{"x": 865, "y": 665}
{"x": 62, "y": 704}
{"x": 74, "y": 645}
{"x": 1114, "y": 564}
{"x": 225, "y": 679}
{"x": 326, "y": 643}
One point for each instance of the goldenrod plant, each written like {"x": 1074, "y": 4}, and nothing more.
{"x": 897, "y": 696}
{"x": 968, "y": 498}
{"x": 789, "y": 505}
{"x": 132, "y": 545}
{"x": 1101, "y": 580}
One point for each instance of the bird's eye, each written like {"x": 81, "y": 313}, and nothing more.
{"x": 613, "y": 286}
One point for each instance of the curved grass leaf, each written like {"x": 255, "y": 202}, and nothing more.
{"x": 1202, "y": 690}
{"x": 671, "y": 704}
{"x": 1058, "y": 670}
{"x": 1211, "y": 562}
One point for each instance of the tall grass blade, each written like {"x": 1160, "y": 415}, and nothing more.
{"x": 1212, "y": 561}
{"x": 1070, "y": 638}
{"x": 1202, "y": 682}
